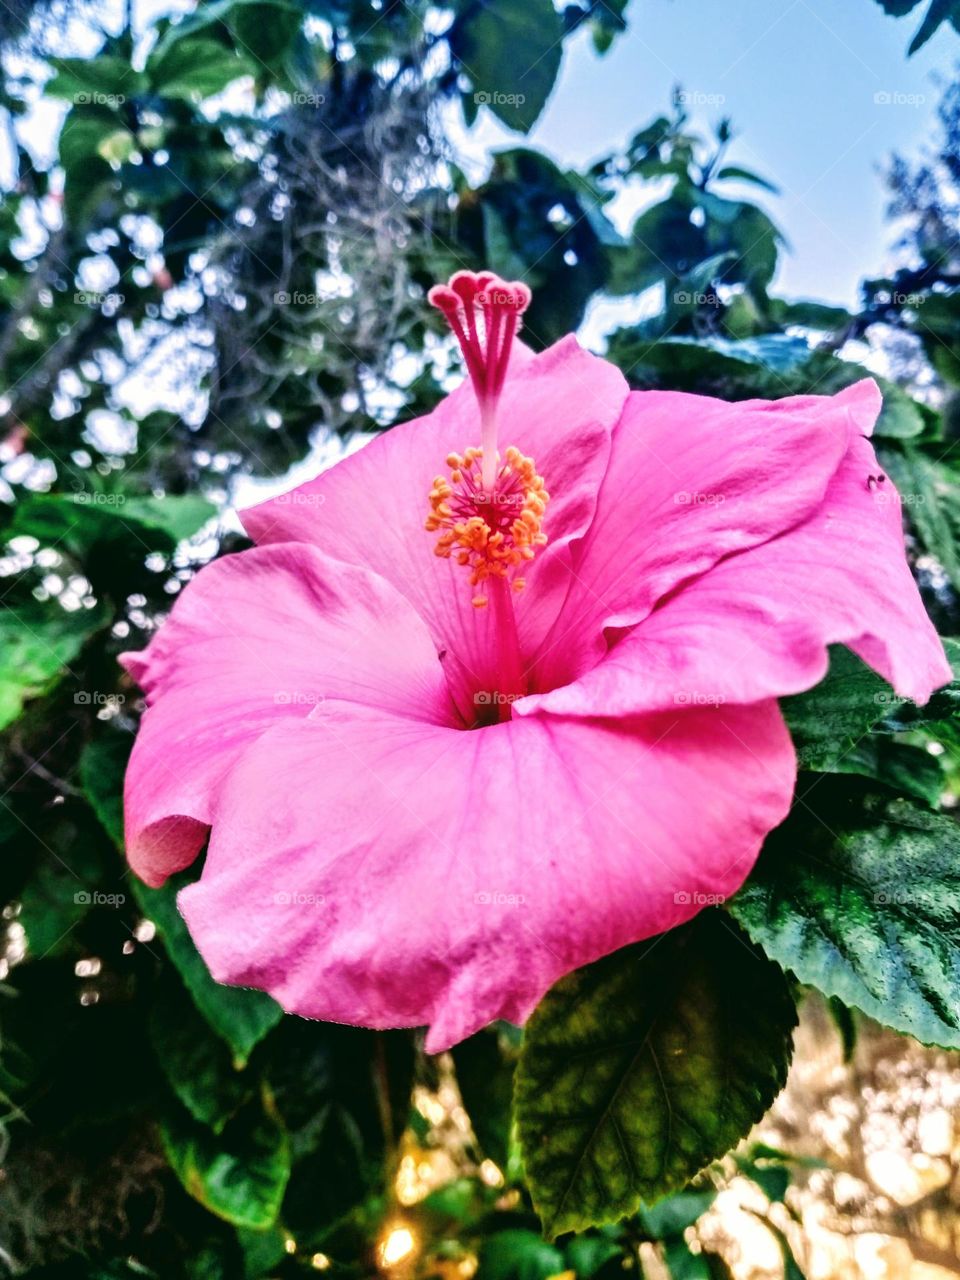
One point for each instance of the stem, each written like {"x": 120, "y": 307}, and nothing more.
{"x": 488, "y": 441}
{"x": 509, "y": 664}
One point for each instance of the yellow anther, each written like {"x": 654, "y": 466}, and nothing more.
{"x": 492, "y": 533}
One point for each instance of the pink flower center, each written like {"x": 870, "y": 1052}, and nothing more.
{"x": 491, "y": 531}
{"x": 489, "y": 513}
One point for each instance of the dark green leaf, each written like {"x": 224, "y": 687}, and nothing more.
{"x": 196, "y": 67}
{"x": 828, "y": 721}
{"x": 484, "y": 1066}
{"x": 845, "y": 1021}
{"x": 58, "y": 896}
{"x": 103, "y": 762}
{"x": 196, "y": 1063}
{"x": 858, "y": 895}
{"x": 684, "y": 1264}
{"x": 240, "y": 1016}
{"x": 38, "y": 642}
{"x": 674, "y": 1214}
{"x": 907, "y": 770}
{"x": 519, "y": 1255}
{"x": 511, "y": 52}
{"x": 940, "y": 11}
{"x": 105, "y": 80}
{"x": 747, "y": 175}
{"x": 639, "y": 1070}
{"x": 929, "y": 493}
{"x": 791, "y": 1268}
{"x": 239, "y": 1175}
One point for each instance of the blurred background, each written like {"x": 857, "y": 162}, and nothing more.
{"x": 218, "y": 225}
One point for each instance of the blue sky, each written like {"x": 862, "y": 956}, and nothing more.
{"x": 799, "y": 78}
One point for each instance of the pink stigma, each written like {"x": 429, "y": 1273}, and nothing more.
{"x": 467, "y": 298}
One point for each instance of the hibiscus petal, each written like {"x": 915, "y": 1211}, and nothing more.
{"x": 558, "y": 407}
{"x": 757, "y": 624}
{"x": 691, "y": 480}
{"x": 430, "y": 876}
{"x": 258, "y": 638}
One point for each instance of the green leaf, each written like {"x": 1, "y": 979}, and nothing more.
{"x": 196, "y": 67}
{"x": 241, "y": 1174}
{"x": 940, "y": 11}
{"x": 588, "y": 1254}
{"x": 239, "y": 1016}
{"x": 674, "y": 1214}
{"x": 900, "y": 418}
{"x": 898, "y": 8}
{"x": 811, "y": 315}
{"x": 845, "y": 1022}
{"x": 242, "y": 1017}
{"x": 110, "y": 535}
{"x": 263, "y": 1251}
{"x": 519, "y": 1255}
{"x": 929, "y": 493}
{"x": 58, "y": 896}
{"x": 906, "y": 769}
{"x": 828, "y": 720}
{"x": 734, "y": 171}
{"x": 38, "y": 642}
{"x": 105, "y": 80}
{"x": 791, "y": 1268}
{"x": 103, "y": 762}
{"x": 944, "y": 705}
{"x": 484, "y": 1067}
{"x": 641, "y": 1069}
{"x": 196, "y": 1063}
{"x": 179, "y": 516}
{"x": 771, "y": 1176}
{"x": 511, "y": 52}
{"x": 86, "y": 135}
{"x": 265, "y": 32}
{"x": 858, "y": 895}
{"x": 684, "y": 1264}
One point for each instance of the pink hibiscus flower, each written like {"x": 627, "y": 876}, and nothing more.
{"x": 441, "y": 768}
